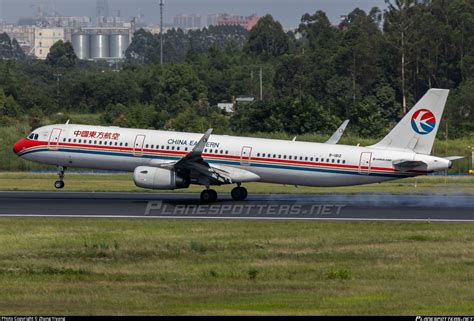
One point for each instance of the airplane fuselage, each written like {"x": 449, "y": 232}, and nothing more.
{"x": 272, "y": 161}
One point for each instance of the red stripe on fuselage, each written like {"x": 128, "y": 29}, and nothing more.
{"x": 26, "y": 144}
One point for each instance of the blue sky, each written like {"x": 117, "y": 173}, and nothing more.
{"x": 288, "y": 12}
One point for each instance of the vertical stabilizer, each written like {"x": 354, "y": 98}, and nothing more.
{"x": 417, "y": 130}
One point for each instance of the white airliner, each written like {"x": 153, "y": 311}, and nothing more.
{"x": 165, "y": 160}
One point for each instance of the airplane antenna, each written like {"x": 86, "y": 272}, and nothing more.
{"x": 67, "y": 123}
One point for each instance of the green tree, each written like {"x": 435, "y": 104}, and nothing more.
{"x": 267, "y": 39}
{"x": 10, "y": 49}
{"x": 62, "y": 55}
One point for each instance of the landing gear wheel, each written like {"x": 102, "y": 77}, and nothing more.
{"x": 59, "y": 184}
{"x": 239, "y": 194}
{"x": 209, "y": 196}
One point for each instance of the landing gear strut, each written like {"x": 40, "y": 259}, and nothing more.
{"x": 239, "y": 193}
{"x": 209, "y": 196}
{"x": 59, "y": 184}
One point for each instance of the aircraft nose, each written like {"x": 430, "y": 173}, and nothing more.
{"x": 19, "y": 146}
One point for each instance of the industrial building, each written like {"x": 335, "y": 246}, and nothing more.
{"x": 101, "y": 43}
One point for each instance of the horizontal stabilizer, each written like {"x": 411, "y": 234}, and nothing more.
{"x": 406, "y": 165}
{"x": 454, "y": 158}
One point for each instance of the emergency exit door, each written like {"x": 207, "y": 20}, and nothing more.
{"x": 138, "y": 145}
{"x": 365, "y": 163}
{"x": 246, "y": 156}
{"x": 54, "y": 139}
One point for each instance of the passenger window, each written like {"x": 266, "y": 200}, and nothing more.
{"x": 289, "y": 157}
{"x": 311, "y": 158}
{"x": 121, "y": 144}
{"x": 69, "y": 140}
{"x": 306, "y": 158}
{"x": 226, "y": 152}
{"x": 332, "y": 160}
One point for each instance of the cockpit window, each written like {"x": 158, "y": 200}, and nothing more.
{"x": 33, "y": 136}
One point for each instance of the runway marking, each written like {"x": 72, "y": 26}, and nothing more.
{"x": 243, "y": 218}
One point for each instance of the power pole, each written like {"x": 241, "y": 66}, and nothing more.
{"x": 161, "y": 31}
{"x": 261, "y": 84}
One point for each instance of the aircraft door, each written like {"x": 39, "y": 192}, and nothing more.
{"x": 54, "y": 139}
{"x": 138, "y": 145}
{"x": 365, "y": 163}
{"x": 246, "y": 156}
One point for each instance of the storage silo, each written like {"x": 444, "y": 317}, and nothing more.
{"x": 99, "y": 46}
{"x": 81, "y": 45}
{"x": 118, "y": 45}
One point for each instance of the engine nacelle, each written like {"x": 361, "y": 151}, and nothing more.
{"x": 158, "y": 178}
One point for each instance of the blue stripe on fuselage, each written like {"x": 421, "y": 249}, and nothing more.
{"x": 287, "y": 167}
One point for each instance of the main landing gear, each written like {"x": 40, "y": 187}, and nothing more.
{"x": 239, "y": 193}
{"x": 210, "y": 196}
{"x": 59, "y": 184}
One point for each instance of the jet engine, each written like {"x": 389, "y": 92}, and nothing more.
{"x": 158, "y": 178}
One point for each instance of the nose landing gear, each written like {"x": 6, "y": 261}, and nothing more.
{"x": 59, "y": 184}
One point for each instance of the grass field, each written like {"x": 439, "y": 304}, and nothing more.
{"x": 121, "y": 267}
{"x": 124, "y": 183}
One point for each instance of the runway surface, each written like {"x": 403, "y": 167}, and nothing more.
{"x": 354, "y": 207}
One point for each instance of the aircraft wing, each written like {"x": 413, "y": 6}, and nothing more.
{"x": 195, "y": 165}
{"x": 338, "y": 134}
{"x": 406, "y": 165}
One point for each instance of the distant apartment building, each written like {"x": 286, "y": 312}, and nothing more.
{"x": 187, "y": 22}
{"x": 25, "y": 35}
{"x": 68, "y": 22}
{"x": 224, "y": 19}
{"x": 45, "y": 38}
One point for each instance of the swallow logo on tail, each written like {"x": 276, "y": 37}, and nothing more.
{"x": 423, "y": 121}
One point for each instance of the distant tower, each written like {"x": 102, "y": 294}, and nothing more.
{"x": 161, "y": 31}
{"x": 102, "y": 8}
{"x": 102, "y": 11}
